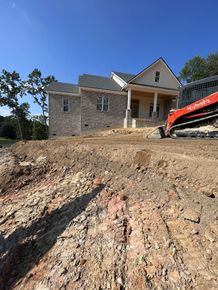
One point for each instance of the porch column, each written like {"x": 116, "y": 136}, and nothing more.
{"x": 129, "y": 100}
{"x": 155, "y": 103}
{"x": 154, "y": 113}
{"x": 128, "y": 118}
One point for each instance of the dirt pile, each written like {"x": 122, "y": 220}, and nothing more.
{"x": 109, "y": 214}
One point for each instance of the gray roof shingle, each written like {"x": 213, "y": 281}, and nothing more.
{"x": 62, "y": 88}
{"x": 97, "y": 82}
{"x": 93, "y": 81}
{"x": 124, "y": 76}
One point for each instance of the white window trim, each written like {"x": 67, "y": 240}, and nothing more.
{"x": 156, "y": 76}
{"x": 102, "y": 104}
{"x": 68, "y": 107}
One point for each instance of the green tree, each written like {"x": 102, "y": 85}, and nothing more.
{"x": 36, "y": 87}
{"x": 8, "y": 127}
{"x": 212, "y": 64}
{"x": 1, "y": 119}
{"x": 199, "y": 67}
{"x": 8, "y": 130}
{"x": 39, "y": 132}
{"x": 11, "y": 88}
{"x": 193, "y": 70}
{"x": 23, "y": 113}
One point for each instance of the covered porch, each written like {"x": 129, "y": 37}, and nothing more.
{"x": 147, "y": 108}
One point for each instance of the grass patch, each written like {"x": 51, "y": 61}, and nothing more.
{"x": 4, "y": 142}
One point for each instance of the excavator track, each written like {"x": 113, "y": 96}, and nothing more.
{"x": 203, "y": 128}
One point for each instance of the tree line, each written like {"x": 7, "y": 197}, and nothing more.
{"x": 12, "y": 88}
{"x": 199, "y": 67}
{"x": 32, "y": 127}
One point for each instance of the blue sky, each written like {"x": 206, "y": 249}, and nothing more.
{"x": 70, "y": 37}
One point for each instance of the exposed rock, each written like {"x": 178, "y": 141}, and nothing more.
{"x": 209, "y": 194}
{"x": 97, "y": 182}
{"x": 194, "y": 232}
{"x": 208, "y": 191}
{"x": 191, "y": 215}
{"x": 84, "y": 218}
{"x": 209, "y": 236}
{"x": 120, "y": 281}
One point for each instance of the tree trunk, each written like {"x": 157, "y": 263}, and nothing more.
{"x": 19, "y": 127}
{"x": 44, "y": 118}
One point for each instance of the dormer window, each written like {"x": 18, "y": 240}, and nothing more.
{"x": 157, "y": 77}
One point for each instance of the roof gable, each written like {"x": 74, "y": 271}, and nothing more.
{"x": 147, "y": 76}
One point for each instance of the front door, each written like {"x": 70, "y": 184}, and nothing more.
{"x": 135, "y": 108}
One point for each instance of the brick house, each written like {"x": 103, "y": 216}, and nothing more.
{"x": 121, "y": 100}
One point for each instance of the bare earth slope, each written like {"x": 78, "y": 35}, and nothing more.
{"x": 109, "y": 212}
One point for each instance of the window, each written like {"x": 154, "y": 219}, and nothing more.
{"x": 157, "y": 76}
{"x": 65, "y": 105}
{"x": 151, "y": 110}
{"x": 102, "y": 104}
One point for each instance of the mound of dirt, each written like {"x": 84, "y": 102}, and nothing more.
{"x": 109, "y": 213}
{"x": 9, "y": 169}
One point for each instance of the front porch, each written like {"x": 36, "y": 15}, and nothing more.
{"x": 147, "y": 109}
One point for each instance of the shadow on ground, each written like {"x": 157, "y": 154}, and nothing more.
{"x": 26, "y": 246}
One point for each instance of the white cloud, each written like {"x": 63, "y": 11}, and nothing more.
{"x": 4, "y": 111}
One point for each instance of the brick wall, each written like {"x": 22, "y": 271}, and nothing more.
{"x": 91, "y": 119}
{"x": 82, "y": 116}
{"x": 64, "y": 123}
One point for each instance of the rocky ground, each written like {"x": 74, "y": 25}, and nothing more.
{"x": 109, "y": 212}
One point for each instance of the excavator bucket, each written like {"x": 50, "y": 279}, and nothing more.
{"x": 157, "y": 133}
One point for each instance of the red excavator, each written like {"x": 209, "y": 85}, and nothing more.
{"x": 197, "y": 120}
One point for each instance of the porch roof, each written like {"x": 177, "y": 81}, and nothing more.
{"x": 156, "y": 87}
{"x": 153, "y": 89}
